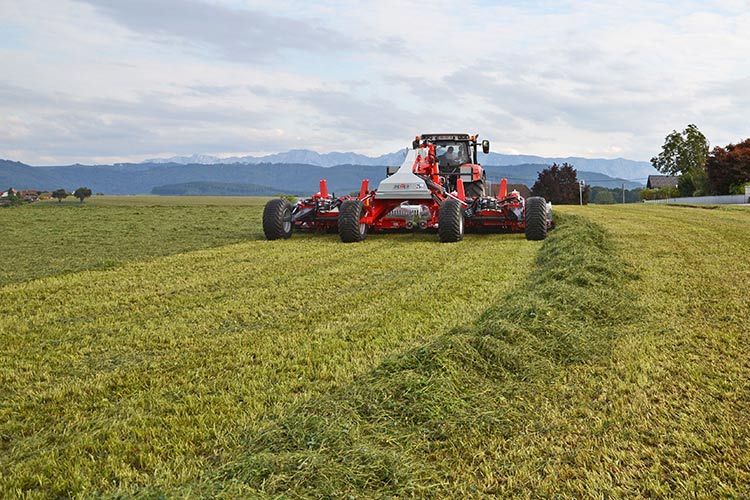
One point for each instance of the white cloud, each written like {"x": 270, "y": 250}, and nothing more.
{"x": 90, "y": 80}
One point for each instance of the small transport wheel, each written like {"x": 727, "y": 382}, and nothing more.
{"x": 451, "y": 221}
{"x": 351, "y": 230}
{"x": 277, "y": 219}
{"x": 536, "y": 218}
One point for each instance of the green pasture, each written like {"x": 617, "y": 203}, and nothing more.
{"x": 50, "y": 237}
{"x": 160, "y": 347}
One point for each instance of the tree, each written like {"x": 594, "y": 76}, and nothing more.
{"x": 60, "y": 194}
{"x": 685, "y": 154}
{"x": 659, "y": 194}
{"x": 729, "y": 168}
{"x": 605, "y": 198}
{"x": 559, "y": 184}
{"x": 13, "y": 198}
{"x": 82, "y": 193}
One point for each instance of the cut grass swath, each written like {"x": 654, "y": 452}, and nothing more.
{"x": 411, "y": 426}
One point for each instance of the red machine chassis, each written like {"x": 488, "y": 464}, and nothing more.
{"x": 504, "y": 212}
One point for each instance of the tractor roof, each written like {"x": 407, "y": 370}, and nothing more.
{"x": 445, "y": 137}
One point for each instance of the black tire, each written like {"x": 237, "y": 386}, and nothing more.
{"x": 277, "y": 219}
{"x": 351, "y": 230}
{"x": 536, "y": 218}
{"x": 451, "y": 221}
{"x": 474, "y": 189}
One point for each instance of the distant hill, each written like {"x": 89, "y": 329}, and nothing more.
{"x": 527, "y": 174}
{"x": 295, "y": 156}
{"x": 618, "y": 167}
{"x": 289, "y": 178}
{"x": 219, "y": 189}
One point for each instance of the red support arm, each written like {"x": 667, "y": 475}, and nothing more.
{"x": 503, "y": 192}
{"x": 364, "y": 190}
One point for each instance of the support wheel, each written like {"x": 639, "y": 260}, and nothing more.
{"x": 351, "y": 230}
{"x": 277, "y": 219}
{"x": 451, "y": 221}
{"x": 536, "y": 218}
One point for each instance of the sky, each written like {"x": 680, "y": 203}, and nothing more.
{"x": 104, "y": 81}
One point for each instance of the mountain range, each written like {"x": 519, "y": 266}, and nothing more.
{"x": 291, "y": 178}
{"x": 295, "y": 171}
{"x": 619, "y": 167}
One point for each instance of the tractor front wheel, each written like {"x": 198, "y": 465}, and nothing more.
{"x": 451, "y": 221}
{"x": 277, "y": 219}
{"x": 536, "y": 218}
{"x": 351, "y": 230}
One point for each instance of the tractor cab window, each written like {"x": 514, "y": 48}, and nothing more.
{"x": 452, "y": 154}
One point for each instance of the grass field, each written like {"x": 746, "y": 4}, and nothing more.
{"x": 51, "y": 237}
{"x": 611, "y": 361}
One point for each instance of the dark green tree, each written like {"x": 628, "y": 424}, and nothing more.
{"x": 684, "y": 154}
{"x": 82, "y": 193}
{"x": 559, "y": 184}
{"x": 60, "y": 194}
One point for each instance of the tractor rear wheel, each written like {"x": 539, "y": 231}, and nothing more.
{"x": 476, "y": 189}
{"x": 277, "y": 219}
{"x": 536, "y": 218}
{"x": 451, "y": 221}
{"x": 351, "y": 230}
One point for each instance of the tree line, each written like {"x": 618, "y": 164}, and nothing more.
{"x": 81, "y": 193}
{"x": 703, "y": 171}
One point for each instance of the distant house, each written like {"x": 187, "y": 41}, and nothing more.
{"x": 30, "y": 194}
{"x": 522, "y": 189}
{"x": 661, "y": 181}
{"x": 10, "y": 192}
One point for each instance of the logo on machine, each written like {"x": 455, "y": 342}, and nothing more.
{"x": 418, "y": 185}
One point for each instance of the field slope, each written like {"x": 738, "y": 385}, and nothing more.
{"x": 610, "y": 361}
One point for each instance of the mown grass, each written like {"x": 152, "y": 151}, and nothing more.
{"x": 613, "y": 364}
{"x": 152, "y": 373}
{"x": 423, "y": 422}
{"x": 49, "y": 237}
{"x": 618, "y": 370}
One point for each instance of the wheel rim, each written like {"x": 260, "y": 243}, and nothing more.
{"x": 362, "y": 228}
{"x": 461, "y": 224}
{"x": 287, "y": 221}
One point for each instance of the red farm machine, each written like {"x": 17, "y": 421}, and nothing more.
{"x": 440, "y": 186}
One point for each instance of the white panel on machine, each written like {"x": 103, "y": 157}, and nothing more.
{"x": 404, "y": 184}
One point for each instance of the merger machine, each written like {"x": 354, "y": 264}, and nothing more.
{"x": 439, "y": 186}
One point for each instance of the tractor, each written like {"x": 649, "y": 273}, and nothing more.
{"x": 439, "y": 186}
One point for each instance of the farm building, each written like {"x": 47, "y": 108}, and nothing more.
{"x": 661, "y": 181}
{"x": 30, "y": 194}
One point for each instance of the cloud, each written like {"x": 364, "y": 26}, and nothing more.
{"x": 246, "y": 35}
{"x": 73, "y": 129}
{"x": 85, "y": 79}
